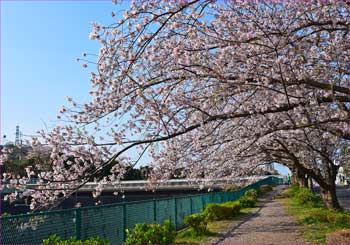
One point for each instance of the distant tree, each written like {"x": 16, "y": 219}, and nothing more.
{"x": 145, "y": 172}
{"x": 18, "y": 158}
{"x": 132, "y": 174}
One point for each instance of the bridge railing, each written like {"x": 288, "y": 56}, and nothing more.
{"x": 132, "y": 185}
{"x": 110, "y": 221}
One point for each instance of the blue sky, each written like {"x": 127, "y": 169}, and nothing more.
{"x": 40, "y": 41}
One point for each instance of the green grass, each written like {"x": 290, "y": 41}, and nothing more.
{"x": 317, "y": 221}
{"x": 188, "y": 237}
{"x": 215, "y": 229}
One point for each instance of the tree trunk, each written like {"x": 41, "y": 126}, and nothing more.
{"x": 311, "y": 184}
{"x": 304, "y": 182}
{"x": 300, "y": 178}
{"x": 329, "y": 196}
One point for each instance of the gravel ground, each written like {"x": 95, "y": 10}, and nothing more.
{"x": 269, "y": 225}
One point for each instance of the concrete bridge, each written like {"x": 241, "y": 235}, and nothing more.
{"x": 168, "y": 185}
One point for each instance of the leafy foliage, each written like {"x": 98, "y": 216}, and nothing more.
{"x": 253, "y": 193}
{"x": 152, "y": 234}
{"x": 56, "y": 240}
{"x": 197, "y": 222}
{"x": 222, "y": 211}
{"x": 250, "y": 199}
{"x": 248, "y": 202}
{"x": 304, "y": 196}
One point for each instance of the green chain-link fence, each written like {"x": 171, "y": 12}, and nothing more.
{"x": 110, "y": 221}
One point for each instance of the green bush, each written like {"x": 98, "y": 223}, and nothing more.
{"x": 197, "y": 222}
{"x": 215, "y": 211}
{"x": 250, "y": 199}
{"x": 248, "y": 202}
{"x": 53, "y": 239}
{"x": 222, "y": 211}
{"x": 235, "y": 207}
{"x": 253, "y": 193}
{"x": 295, "y": 188}
{"x": 151, "y": 234}
{"x": 291, "y": 191}
{"x": 305, "y": 196}
{"x": 56, "y": 240}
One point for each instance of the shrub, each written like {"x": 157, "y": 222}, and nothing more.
{"x": 197, "y": 222}
{"x": 306, "y": 197}
{"x": 248, "y": 202}
{"x": 338, "y": 237}
{"x": 152, "y": 234}
{"x": 216, "y": 212}
{"x": 250, "y": 199}
{"x": 53, "y": 239}
{"x": 253, "y": 193}
{"x": 56, "y": 240}
{"x": 294, "y": 189}
{"x": 235, "y": 207}
{"x": 222, "y": 211}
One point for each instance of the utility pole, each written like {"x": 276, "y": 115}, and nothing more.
{"x": 18, "y": 143}
{"x": 18, "y": 135}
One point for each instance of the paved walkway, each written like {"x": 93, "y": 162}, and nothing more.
{"x": 269, "y": 225}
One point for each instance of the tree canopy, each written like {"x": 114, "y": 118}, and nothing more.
{"x": 211, "y": 87}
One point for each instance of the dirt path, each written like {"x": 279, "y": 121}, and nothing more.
{"x": 269, "y": 225}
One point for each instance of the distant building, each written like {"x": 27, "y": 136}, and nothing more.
{"x": 341, "y": 177}
{"x": 265, "y": 169}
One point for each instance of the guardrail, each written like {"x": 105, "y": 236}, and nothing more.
{"x": 110, "y": 221}
{"x": 136, "y": 185}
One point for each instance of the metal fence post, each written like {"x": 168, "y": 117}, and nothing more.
{"x": 124, "y": 221}
{"x": 191, "y": 209}
{"x": 78, "y": 223}
{"x": 175, "y": 213}
{"x": 203, "y": 204}
{"x": 154, "y": 210}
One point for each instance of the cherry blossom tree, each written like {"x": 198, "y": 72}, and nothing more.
{"x": 311, "y": 154}
{"x": 198, "y": 84}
